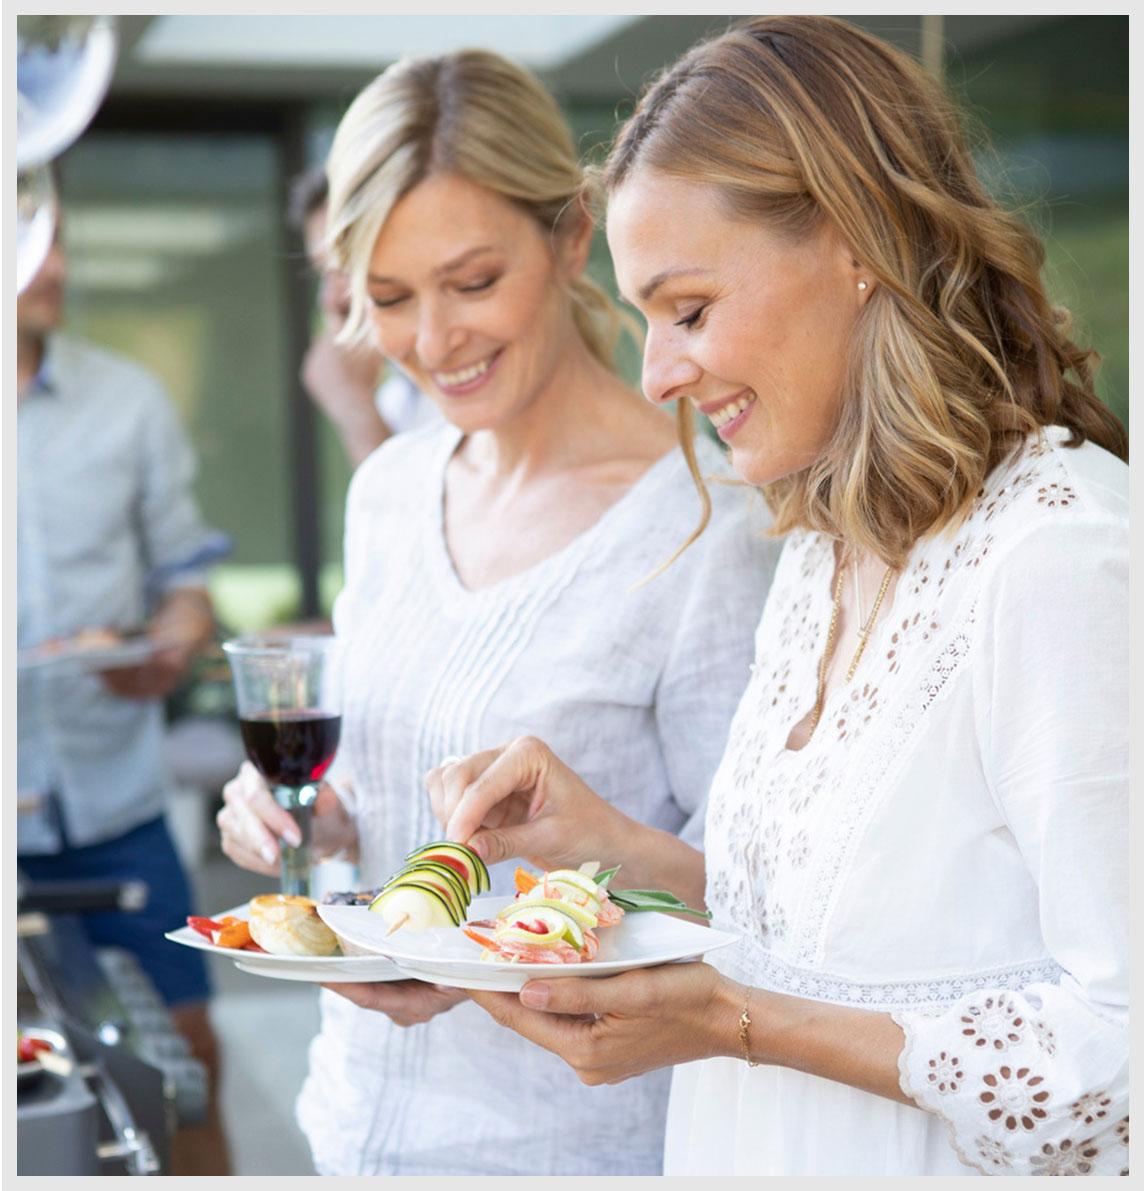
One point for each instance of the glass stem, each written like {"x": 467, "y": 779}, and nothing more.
{"x": 298, "y": 800}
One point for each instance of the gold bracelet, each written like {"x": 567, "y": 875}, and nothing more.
{"x": 744, "y": 1022}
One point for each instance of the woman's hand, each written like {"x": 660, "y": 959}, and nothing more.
{"x": 522, "y": 800}
{"x": 610, "y": 1029}
{"x": 251, "y": 823}
{"x": 404, "y": 1002}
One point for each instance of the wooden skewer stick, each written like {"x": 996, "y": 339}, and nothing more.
{"x": 397, "y": 925}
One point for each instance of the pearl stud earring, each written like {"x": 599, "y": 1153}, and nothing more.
{"x": 862, "y": 285}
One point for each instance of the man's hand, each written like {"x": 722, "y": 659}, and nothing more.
{"x": 181, "y": 628}
{"x": 342, "y": 382}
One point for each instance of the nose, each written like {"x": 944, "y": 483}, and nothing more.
{"x": 438, "y": 334}
{"x": 668, "y": 371}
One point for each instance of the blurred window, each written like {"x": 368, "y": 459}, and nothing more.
{"x": 176, "y": 259}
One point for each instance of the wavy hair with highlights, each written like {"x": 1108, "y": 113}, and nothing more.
{"x": 958, "y": 354}
{"x": 471, "y": 113}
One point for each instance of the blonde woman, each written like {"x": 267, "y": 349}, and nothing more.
{"x": 492, "y": 587}
{"x": 918, "y": 828}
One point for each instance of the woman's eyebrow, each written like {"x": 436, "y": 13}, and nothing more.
{"x": 447, "y": 267}
{"x": 650, "y": 287}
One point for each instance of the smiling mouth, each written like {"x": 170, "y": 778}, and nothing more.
{"x": 726, "y": 413}
{"x": 464, "y": 376}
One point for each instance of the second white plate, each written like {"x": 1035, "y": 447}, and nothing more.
{"x": 446, "y": 956}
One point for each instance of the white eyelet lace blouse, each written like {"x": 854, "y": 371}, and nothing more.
{"x": 950, "y": 846}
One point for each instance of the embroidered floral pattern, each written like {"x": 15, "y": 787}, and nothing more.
{"x": 798, "y": 851}
{"x": 946, "y": 1073}
{"x": 1014, "y": 1097}
{"x": 994, "y": 1153}
{"x": 995, "y": 1023}
{"x": 1055, "y": 495}
{"x": 1091, "y": 1107}
{"x": 1065, "y": 1158}
{"x": 1044, "y": 1036}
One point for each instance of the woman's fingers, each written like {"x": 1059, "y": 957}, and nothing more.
{"x": 233, "y": 845}
{"x": 448, "y": 781}
{"x": 251, "y": 821}
{"x": 518, "y": 769}
{"x": 545, "y": 1030}
{"x": 629, "y": 992}
{"x": 405, "y": 1002}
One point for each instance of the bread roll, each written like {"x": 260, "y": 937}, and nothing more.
{"x": 286, "y": 925}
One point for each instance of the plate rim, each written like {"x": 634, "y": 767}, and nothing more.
{"x": 127, "y": 652}
{"x": 451, "y": 966}
{"x": 192, "y": 938}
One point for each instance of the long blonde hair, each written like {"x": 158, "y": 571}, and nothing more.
{"x": 958, "y": 354}
{"x": 474, "y": 114}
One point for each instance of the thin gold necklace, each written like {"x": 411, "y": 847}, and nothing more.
{"x": 864, "y": 631}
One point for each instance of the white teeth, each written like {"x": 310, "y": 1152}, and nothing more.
{"x": 729, "y": 411}
{"x": 464, "y": 375}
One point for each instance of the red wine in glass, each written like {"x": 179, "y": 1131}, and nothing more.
{"x": 291, "y": 748}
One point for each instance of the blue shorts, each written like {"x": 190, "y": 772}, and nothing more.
{"x": 145, "y": 853}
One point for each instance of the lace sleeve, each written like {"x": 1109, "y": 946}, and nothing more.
{"x": 1021, "y": 1095}
{"x": 1035, "y": 1080}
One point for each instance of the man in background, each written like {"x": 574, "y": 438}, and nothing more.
{"x": 343, "y": 382}
{"x": 108, "y": 538}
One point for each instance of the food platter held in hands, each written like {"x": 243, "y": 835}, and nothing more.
{"x": 567, "y": 922}
{"x": 445, "y": 955}
{"x": 303, "y": 949}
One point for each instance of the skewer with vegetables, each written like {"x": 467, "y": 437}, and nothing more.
{"x": 553, "y": 919}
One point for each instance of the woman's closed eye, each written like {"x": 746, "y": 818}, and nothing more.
{"x": 692, "y": 319}
{"x": 386, "y": 303}
{"x": 475, "y": 287}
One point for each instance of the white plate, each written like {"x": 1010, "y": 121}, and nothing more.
{"x": 446, "y": 956}
{"x": 130, "y": 652}
{"x": 314, "y": 969}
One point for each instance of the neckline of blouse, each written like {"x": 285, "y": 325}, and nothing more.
{"x": 568, "y": 555}
{"x": 821, "y": 584}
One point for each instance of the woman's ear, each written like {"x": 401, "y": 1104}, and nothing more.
{"x": 575, "y": 238}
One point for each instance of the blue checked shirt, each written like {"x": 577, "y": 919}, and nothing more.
{"x": 106, "y": 525}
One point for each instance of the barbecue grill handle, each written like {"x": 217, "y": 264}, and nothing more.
{"x": 80, "y": 897}
{"x": 131, "y": 1145}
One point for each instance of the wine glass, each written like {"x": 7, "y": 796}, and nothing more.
{"x": 289, "y": 709}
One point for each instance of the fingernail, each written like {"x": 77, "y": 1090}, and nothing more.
{"x": 292, "y": 836}
{"x": 269, "y": 854}
{"x": 535, "y": 996}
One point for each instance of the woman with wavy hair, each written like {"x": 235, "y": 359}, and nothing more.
{"x": 493, "y": 586}
{"x": 918, "y": 828}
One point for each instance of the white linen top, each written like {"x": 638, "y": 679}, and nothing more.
{"x": 950, "y": 846}
{"x": 634, "y": 689}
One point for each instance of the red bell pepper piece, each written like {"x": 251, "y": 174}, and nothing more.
{"x": 204, "y": 926}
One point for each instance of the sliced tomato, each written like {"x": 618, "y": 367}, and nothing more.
{"x": 204, "y": 926}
